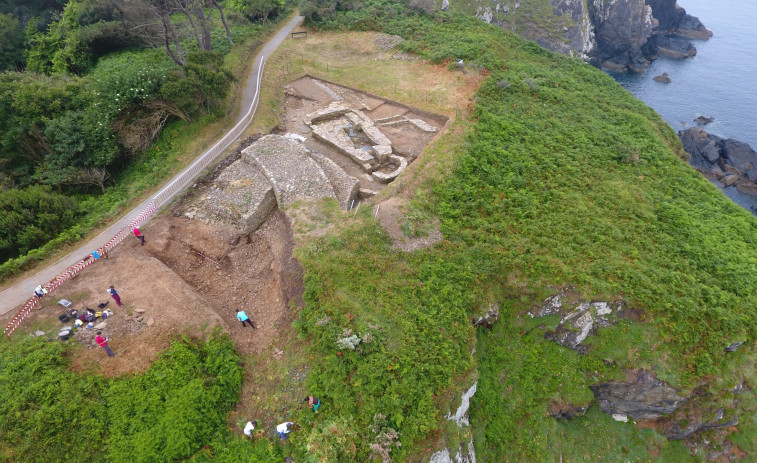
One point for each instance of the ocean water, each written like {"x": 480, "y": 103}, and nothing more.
{"x": 720, "y": 81}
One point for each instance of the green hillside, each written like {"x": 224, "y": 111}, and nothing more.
{"x": 558, "y": 178}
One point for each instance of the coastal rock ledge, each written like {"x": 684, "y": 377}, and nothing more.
{"x": 726, "y": 160}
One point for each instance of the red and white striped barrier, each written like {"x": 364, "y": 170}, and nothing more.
{"x": 73, "y": 270}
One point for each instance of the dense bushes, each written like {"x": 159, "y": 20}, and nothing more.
{"x": 32, "y": 216}
{"x": 179, "y": 405}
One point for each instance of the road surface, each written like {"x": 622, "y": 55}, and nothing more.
{"x": 20, "y": 291}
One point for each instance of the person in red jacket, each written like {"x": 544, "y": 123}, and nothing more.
{"x": 102, "y": 342}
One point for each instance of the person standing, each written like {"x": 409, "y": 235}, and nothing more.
{"x": 249, "y": 427}
{"x": 102, "y": 342}
{"x": 244, "y": 318}
{"x": 139, "y": 235}
{"x": 283, "y": 429}
{"x": 313, "y": 402}
{"x": 39, "y": 291}
{"x": 114, "y": 294}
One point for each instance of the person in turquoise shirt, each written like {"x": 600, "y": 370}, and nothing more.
{"x": 244, "y": 318}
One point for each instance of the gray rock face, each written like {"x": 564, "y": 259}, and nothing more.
{"x": 621, "y": 28}
{"x": 678, "y": 430}
{"x": 674, "y": 19}
{"x": 489, "y": 319}
{"x": 622, "y": 35}
{"x": 580, "y": 39}
{"x": 579, "y": 319}
{"x": 465, "y": 454}
{"x": 675, "y": 48}
{"x": 641, "y": 397}
{"x": 703, "y": 148}
{"x": 721, "y": 158}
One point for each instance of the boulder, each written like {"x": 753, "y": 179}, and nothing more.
{"x": 730, "y": 170}
{"x": 490, "y": 318}
{"x": 702, "y": 147}
{"x": 729, "y": 180}
{"x": 730, "y": 348}
{"x": 664, "y": 78}
{"x": 101, "y": 325}
{"x": 150, "y": 321}
{"x": 576, "y": 326}
{"x": 741, "y": 156}
{"x": 704, "y": 120}
{"x": 568, "y": 412}
{"x": 641, "y": 397}
{"x": 747, "y": 189}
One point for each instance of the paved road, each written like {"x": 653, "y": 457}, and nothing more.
{"x": 19, "y": 292}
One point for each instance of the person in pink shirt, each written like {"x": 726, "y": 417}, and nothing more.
{"x": 102, "y": 342}
{"x": 139, "y": 235}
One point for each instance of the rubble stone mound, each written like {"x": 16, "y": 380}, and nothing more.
{"x": 289, "y": 169}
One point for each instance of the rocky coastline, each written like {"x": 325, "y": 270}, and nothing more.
{"x": 724, "y": 160}
{"x": 622, "y": 36}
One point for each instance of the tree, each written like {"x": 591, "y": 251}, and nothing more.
{"x": 78, "y": 141}
{"x": 86, "y": 30}
{"x": 92, "y": 176}
{"x": 258, "y": 10}
{"x": 11, "y": 43}
{"x": 202, "y": 82}
{"x": 155, "y": 22}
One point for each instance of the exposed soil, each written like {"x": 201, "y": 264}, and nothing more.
{"x": 189, "y": 278}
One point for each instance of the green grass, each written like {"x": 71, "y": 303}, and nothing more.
{"x": 564, "y": 179}
{"x": 179, "y": 405}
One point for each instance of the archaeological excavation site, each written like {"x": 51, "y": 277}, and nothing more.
{"x": 337, "y": 142}
{"x": 228, "y": 241}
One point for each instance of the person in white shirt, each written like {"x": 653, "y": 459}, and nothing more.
{"x": 249, "y": 427}
{"x": 284, "y": 428}
{"x": 39, "y": 291}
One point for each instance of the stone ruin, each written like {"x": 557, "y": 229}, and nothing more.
{"x": 340, "y": 143}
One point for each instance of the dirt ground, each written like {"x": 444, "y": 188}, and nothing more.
{"x": 188, "y": 278}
